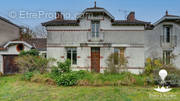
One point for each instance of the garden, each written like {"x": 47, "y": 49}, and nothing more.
{"x": 37, "y": 82}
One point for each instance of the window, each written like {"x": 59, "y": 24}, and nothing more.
{"x": 95, "y": 28}
{"x": 44, "y": 55}
{"x": 118, "y": 55}
{"x": 20, "y": 47}
{"x": 72, "y": 55}
{"x": 167, "y": 33}
{"x": 167, "y": 57}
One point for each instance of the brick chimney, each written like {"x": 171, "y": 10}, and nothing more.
{"x": 59, "y": 16}
{"x": 131, "y": 16}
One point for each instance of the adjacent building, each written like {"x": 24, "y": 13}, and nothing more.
{"x": 11, "y": 44}
{"x": 162, "y": 40}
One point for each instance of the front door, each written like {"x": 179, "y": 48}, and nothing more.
{"x": 9, "y": 64}
{"x": 95, "y": 59}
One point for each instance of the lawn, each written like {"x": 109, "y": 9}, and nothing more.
{"x": 13, "y": 89}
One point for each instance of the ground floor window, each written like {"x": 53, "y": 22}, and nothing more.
{"x": 72, "y": 55}
{"x": 118, "y": 55}
{"x": 167, "y": 57}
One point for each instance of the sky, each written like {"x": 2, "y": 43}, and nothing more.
{"x": 34, "y": 12}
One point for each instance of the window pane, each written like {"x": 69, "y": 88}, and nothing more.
{"x": 97, "y": 29}
{"x": 93, "y": 29}
{"x": 74, "y": 57}
{"x": 166, "y": 57}
{"x": 167, "y": 34}
{"x": 116, "y": 56}
{"x": 68, "y": 55}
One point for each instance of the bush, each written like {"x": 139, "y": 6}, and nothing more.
{"x": 67, "y": 79}
{"x": 27, "y": 76}
{"x": 64, "y": 66}
{"x": 151, "y": 65}
{"x": 32, "y": 52}
{"x": 30, "y": 63}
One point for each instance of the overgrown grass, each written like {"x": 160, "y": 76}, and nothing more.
{"x": 14, "y": 89}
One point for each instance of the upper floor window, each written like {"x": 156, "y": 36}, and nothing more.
{"x": 95, "y": 27}
{"x": 72, "y": 55}
{"x": 167, "y": 33}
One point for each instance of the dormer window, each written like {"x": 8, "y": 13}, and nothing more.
{"x": 167, "y": 33}
{"x": 95, "y": 27}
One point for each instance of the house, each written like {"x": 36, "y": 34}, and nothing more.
{"x": 93, "y": 36}
{"x": 11, "y": 44}
{"x": 162, "y": 40}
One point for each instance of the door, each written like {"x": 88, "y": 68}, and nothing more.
{"x": 9, "y": 64}
{"x": 95, "y": 59}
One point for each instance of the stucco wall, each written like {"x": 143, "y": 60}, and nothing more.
{"x": 8, "y": 32}
{"x": 60, "y": 37}
{"x": 113, "y": 34}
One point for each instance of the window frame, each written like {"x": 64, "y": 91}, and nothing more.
{"x": 121, "y": 54}
{"x": 167, "y": 57}
{"x": 96, "y": 31}
{"x": 73, "y": 50}
{"x": 167, "y": 34}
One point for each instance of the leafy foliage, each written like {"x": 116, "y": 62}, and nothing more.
{"x": 27, "y": 76}
{"x": 29, "y": 61}
{"x": 116, "y": 63}
{"x": 32, "y": 52}
{"x": 152, "y": 64}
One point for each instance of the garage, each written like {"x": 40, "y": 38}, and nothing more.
{"x": 9, "y": 64}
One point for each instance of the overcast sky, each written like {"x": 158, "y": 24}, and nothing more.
{"x": 33, "y": 12}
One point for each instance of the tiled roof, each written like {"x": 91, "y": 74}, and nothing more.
{"x": 9, "y": 22}
{"x": 38, "y": 43}
{"x": 61, "y": 23}
{"x": 2, "y": 48}
{"x": 126, "y": 22}
{"x": 171, "y": 15}
{"x": 95, "y": 8}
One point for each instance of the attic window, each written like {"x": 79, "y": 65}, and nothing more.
{"x": 20, "y": 47}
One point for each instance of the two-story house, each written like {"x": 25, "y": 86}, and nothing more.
{"x": 93, "y": 36}
{"x": 162, "y": 40}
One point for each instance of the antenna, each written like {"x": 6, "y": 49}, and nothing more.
{"x": 95, "y": 4}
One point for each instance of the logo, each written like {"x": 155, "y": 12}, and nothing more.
{"x": 163, "y": 74}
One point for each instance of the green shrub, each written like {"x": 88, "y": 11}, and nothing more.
{"x": 64, "y": 66}
{"x": 173, "y": 80}
{"x": 151, "y": 65}
{"x": 32, "y": 52}
{"x": 67, "y": 79}
{"x": 30, "y": 63}
{"x": 27, "y": 76}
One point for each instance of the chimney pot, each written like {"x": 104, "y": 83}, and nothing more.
{"x": 59, "y": 16}
{"x": 131, "y": 16}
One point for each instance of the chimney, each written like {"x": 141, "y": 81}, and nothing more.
{"x": 131, "y": 16}
{"x": 166, "y": 12}
{"x": 59, "y": 16}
